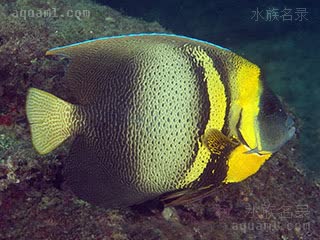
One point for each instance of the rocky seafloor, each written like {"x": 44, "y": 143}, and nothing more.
{"x": 279, "y": 202}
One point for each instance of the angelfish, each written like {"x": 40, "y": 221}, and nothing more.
{"x": 156, "y": 114}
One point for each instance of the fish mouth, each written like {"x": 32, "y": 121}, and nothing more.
{"x": 289, "y": 122}
{"x": 291, "y": 128}
{"x": 291, "y": 132}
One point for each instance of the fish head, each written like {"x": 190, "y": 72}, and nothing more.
{"x": 274, "y": 126}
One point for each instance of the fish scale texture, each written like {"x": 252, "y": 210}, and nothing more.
{"x": 146, "y": 104}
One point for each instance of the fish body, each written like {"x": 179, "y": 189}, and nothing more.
{"x": 156, "y": 113}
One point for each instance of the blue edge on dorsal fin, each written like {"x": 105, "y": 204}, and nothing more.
{"x": 140, "y": 34}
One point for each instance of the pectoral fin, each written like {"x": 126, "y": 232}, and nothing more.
{"x": 217, "y": 142}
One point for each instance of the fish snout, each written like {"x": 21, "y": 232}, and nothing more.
{"x": 290, "y": 127}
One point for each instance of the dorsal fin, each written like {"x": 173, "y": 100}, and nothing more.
{"x": 93, "y": 65}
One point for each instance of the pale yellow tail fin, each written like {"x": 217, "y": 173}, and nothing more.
{"x": 50, "y": 120}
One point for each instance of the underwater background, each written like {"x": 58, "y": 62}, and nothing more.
{"x": 280, "y": 202}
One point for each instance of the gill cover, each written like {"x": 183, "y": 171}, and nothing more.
{"x": 273, "y": 127}
{"x": 263, "y": 124}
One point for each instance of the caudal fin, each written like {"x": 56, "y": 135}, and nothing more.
{"x": 50, "y": 120}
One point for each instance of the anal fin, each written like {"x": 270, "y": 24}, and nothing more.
{"x": 91, "y": 176}
{"x": 187, "y": 196}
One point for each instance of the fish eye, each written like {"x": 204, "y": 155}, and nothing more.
{"x": 271, "y": 107}
{"x": 270, "y": 103}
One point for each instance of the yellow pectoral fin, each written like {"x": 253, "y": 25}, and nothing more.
{"x": 217, "y": 142}
{"x": 242, "y": 165}
{"x": 212, "y": 142}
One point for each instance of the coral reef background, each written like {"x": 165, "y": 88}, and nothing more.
{"x": 279, "y": 202}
